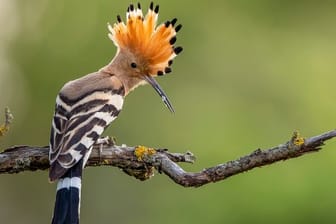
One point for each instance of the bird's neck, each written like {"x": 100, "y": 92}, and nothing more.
{"x": 129, "y": 83}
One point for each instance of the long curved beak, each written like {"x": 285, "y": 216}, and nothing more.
{"x": 160, "y": 91}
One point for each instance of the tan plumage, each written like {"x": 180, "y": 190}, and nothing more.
{"x": 85, "y": 107}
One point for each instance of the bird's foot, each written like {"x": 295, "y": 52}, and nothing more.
{"x": 106, "y": 141}
{"x": 110, "y": 141}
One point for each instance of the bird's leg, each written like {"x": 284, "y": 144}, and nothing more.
{"x": 107, "y": 140}
{"x": 104, "y": 141}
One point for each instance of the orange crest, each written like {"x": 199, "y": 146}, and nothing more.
{"x": 154, "y": 45}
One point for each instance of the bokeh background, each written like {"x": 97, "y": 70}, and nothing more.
{"x": 251, "y": 73}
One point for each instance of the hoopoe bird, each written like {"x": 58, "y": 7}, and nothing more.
{"x": 86, "y": 106}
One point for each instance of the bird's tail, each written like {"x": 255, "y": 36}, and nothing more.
{"x": 68, "y": 191}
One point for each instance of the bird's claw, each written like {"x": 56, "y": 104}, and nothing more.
{"x": 104, "y": 141}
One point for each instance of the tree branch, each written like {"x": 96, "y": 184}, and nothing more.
{"x": 140, "y": 162}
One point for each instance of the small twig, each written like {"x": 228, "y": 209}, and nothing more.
{"x": 8, "y": 119}
{"x": 23, "y": 158}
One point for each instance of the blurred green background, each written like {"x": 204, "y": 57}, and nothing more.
{"x": 251, "y": 73}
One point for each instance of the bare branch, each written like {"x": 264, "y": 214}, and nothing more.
{"x": 23, "y": 158}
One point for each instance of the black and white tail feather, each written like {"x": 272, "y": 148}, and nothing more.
{"x": 81, "y": 115}
{"x": 67, "y": 203}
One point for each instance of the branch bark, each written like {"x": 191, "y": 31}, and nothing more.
{"x": 140, "y": 162}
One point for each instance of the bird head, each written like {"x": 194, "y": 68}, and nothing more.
{"x": 145, "y": 50}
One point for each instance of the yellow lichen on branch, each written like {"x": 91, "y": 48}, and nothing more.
{"x": 297, "y": 139}
{"x": 142, "y": 151}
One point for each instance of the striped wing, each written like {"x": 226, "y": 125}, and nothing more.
{"x": 76, "y": 126}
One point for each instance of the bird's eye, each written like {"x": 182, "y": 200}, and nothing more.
{"x": 133, "y": 65}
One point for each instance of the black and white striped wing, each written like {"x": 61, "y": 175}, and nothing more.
{"x": 76, "y": 126}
